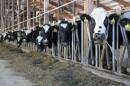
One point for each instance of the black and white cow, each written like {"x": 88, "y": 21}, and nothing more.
{"x": 100, "y": 20}
{"x": 20, "y": 37}
{"x": 9, "y": 36}
{"x": 44, "y": 38}
{"x": 65, "y": 32}
{"x": 47, "y": 36}
{"x": 98, "y": 30}
{"x": 1, "y": 37}
{"x": 55, "y": 30}
{"x": 31, "y": 34}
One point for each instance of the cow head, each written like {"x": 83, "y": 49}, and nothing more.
{"x": 65, "y": 29}
{"x": 55, "y": 29}
{"x": 46, "y": 33}
{"x": 99, "y": 22}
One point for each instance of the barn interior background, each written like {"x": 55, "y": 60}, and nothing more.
{"x": 20, "y": 14}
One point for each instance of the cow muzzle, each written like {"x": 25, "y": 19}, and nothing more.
{"x": 98, "y": 38}
{"x": 45, "y": 42}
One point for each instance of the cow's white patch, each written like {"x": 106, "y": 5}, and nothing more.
{"x": 64, "y": 25}
{"x": 4, "y": 34}
{"x": 46, "y": 28}
{"x": 18, "y": 38}
{"x": 45, "y": 40}
{"x": 39, "y": 38}
{"x": 99, "y": 15}
{"x": 126, "y": 15}
{"x": 24, "y": 40}
{"x": 27, "y": 32}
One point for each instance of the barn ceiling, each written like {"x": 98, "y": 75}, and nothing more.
{"x": 107, "y": 4}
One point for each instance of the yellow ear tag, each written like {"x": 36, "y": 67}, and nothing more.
{"x": 113, "y": 21}
{"x": 85, "y": 20}
{"x": 18, "y": 34}
{"x": 127, "y": 27}
{"x": 55, "y": 30}
{"x": 72, "y": 29}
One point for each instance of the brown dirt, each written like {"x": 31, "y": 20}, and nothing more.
{"x": 46, "y": 71}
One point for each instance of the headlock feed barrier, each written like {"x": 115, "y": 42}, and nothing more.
{"x": 99, "y": 39}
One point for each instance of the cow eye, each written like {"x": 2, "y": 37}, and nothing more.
{"x": 93, "y": 23}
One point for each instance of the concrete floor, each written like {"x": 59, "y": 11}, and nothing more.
{"x": 10, "y": 78}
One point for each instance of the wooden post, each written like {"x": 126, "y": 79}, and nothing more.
{"x": 18, "y": 15}
{"x": 33, "y": 13}
{"x": 88, "y": 7}
{"x": 28, "y": 14}
{"x": 1, "y": 14}
{"x": 12, "y": 18}
{"x": 8, "y": 14}
{"x": 40, "y": 11}
{"x": 46, "y": 15}
{"x": 2, "y": 20}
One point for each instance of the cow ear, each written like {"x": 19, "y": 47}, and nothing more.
{"x": 127, "y": 27}
{"x": 106, "y": 21}
{"x": 73, "y": 28}
{"x": 55, "y": 28}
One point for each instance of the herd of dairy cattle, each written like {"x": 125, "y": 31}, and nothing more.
{"x": 99, "y": 20}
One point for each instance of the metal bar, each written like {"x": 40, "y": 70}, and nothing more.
{"x": 96, "y": 53}
{"x": 113, "y": 47}
{"x": 82, "y": 43}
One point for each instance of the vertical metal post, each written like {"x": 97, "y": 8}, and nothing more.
{"x": 73, "y": 35}
{"x": 82, "y": 42}
{"x": 113, "y": 47}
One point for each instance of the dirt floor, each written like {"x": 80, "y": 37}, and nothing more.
{"x": 9, "y": 77}
{"x": 44, "y": 70}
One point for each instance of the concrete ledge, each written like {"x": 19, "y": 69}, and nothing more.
{"x": 109, "y": 74}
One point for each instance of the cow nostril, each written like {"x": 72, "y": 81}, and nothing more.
{"x": 99, "y": 31}
{"x": 100, "y": 27}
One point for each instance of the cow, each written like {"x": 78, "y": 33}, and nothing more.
{"x": 65, "y": 31}
{"x": 1, "y": 37}
{"x": 97, "y": 33}
{"x": 47, "y": 37}
{"x": 20, "y": 37}
{"x": 99, "y": 19}
{"x": 31, "y": 34}
{"x": 101, "y": 29}
{"x": 44, "y": 38}
{"x": 9, "y": 36}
